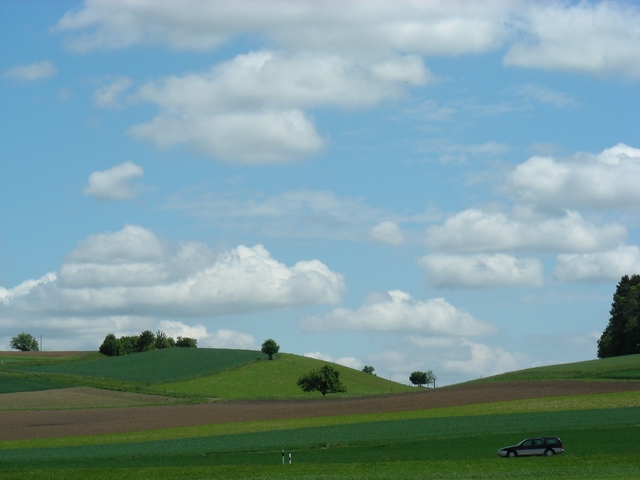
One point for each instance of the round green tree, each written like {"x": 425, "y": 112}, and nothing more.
{"x": 327, "y": 380}
{"x": 25, "y": 343}
{"x": 270, "y": 347}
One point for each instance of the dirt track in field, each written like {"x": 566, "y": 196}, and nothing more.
{"x": 60, "y": 423}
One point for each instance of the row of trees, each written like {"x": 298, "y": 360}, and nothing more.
{"x": 622, "y": 334}
{"x": 147, "y": 340}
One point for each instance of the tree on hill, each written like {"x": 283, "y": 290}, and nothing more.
{"x": 146, "y": 341}
{"x": 622, "y": 334}
{"x": 126, "y": 345}
{"x": 110, "y": 347}
{"x": 25, "y": 343}
{"x": 368, "y": 369}
{"x": 422, "y": 378}
{"x": 327, "y": 380}
{"x": 187, "y": 342}
{"x": 162, "y": 341}
{"x": 270, "y": 347}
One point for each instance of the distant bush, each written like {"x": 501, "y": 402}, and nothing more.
{"x": 186, "y": 342}
{"x": 126, "y": 345}
{"x": 423, "y": 378}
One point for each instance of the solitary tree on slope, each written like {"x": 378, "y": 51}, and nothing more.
{"x": 270, "y": 347}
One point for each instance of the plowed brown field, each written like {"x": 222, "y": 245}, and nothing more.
{"x": 59, "y": 423}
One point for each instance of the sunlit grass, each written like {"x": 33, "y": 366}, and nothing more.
{"x": 626, "y": 367}
{"x": 277, "y": 379}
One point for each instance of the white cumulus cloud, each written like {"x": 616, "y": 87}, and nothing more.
{"x": 134, "y": 273}
{"x": 398, "y": 311}
{"x": 474, "y": 230}
{"x": 481, "y": 271}
{"x": 114, "y": 183}
{"x": 599, "y": 38}
{"x": 250, "y": 109}
{"x": 31, "y": 72}
{"x": 599, "y": 266}
{"x": 602, "y": 181}
{"x": 452, "y": 28}
{"x": 595, "y": 38}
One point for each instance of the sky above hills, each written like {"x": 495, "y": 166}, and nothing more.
{"x": 421, "y": 185}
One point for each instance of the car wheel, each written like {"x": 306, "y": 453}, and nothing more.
{"x": 548, "y": 453}
{"x": 511, "y": 454}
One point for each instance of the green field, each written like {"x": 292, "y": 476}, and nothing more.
{"x": 601, "y": 433}
{"x": 18, "y": 384}
{"x": 154, "y": 366}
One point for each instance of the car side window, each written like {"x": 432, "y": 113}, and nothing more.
{"x": 528, "y": 443}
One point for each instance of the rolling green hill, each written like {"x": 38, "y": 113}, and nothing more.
{"x": 616, "y": 368}
{"x": 277, "y": 379}
{"x": 247, "y": 374}
{"x": 197, "y": 373}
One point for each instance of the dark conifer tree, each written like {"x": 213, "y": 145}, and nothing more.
{"x": 622, "y": 334}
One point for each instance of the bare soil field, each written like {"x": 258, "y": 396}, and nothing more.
{"x": 16, "y": 425}
{"x": 77, "y": 398}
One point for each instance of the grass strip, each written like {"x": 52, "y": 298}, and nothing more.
{"x": 616, "y": 466}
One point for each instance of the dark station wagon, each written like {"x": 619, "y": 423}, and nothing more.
{"x": 547, "y": 446}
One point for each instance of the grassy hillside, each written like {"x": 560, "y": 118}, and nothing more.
{"x": 197, "y": 373}
{"x": 617, "y": 368}
{"x": 277, "y": 379}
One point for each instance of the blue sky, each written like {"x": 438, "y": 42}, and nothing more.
{"x": 449, "y": 186}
